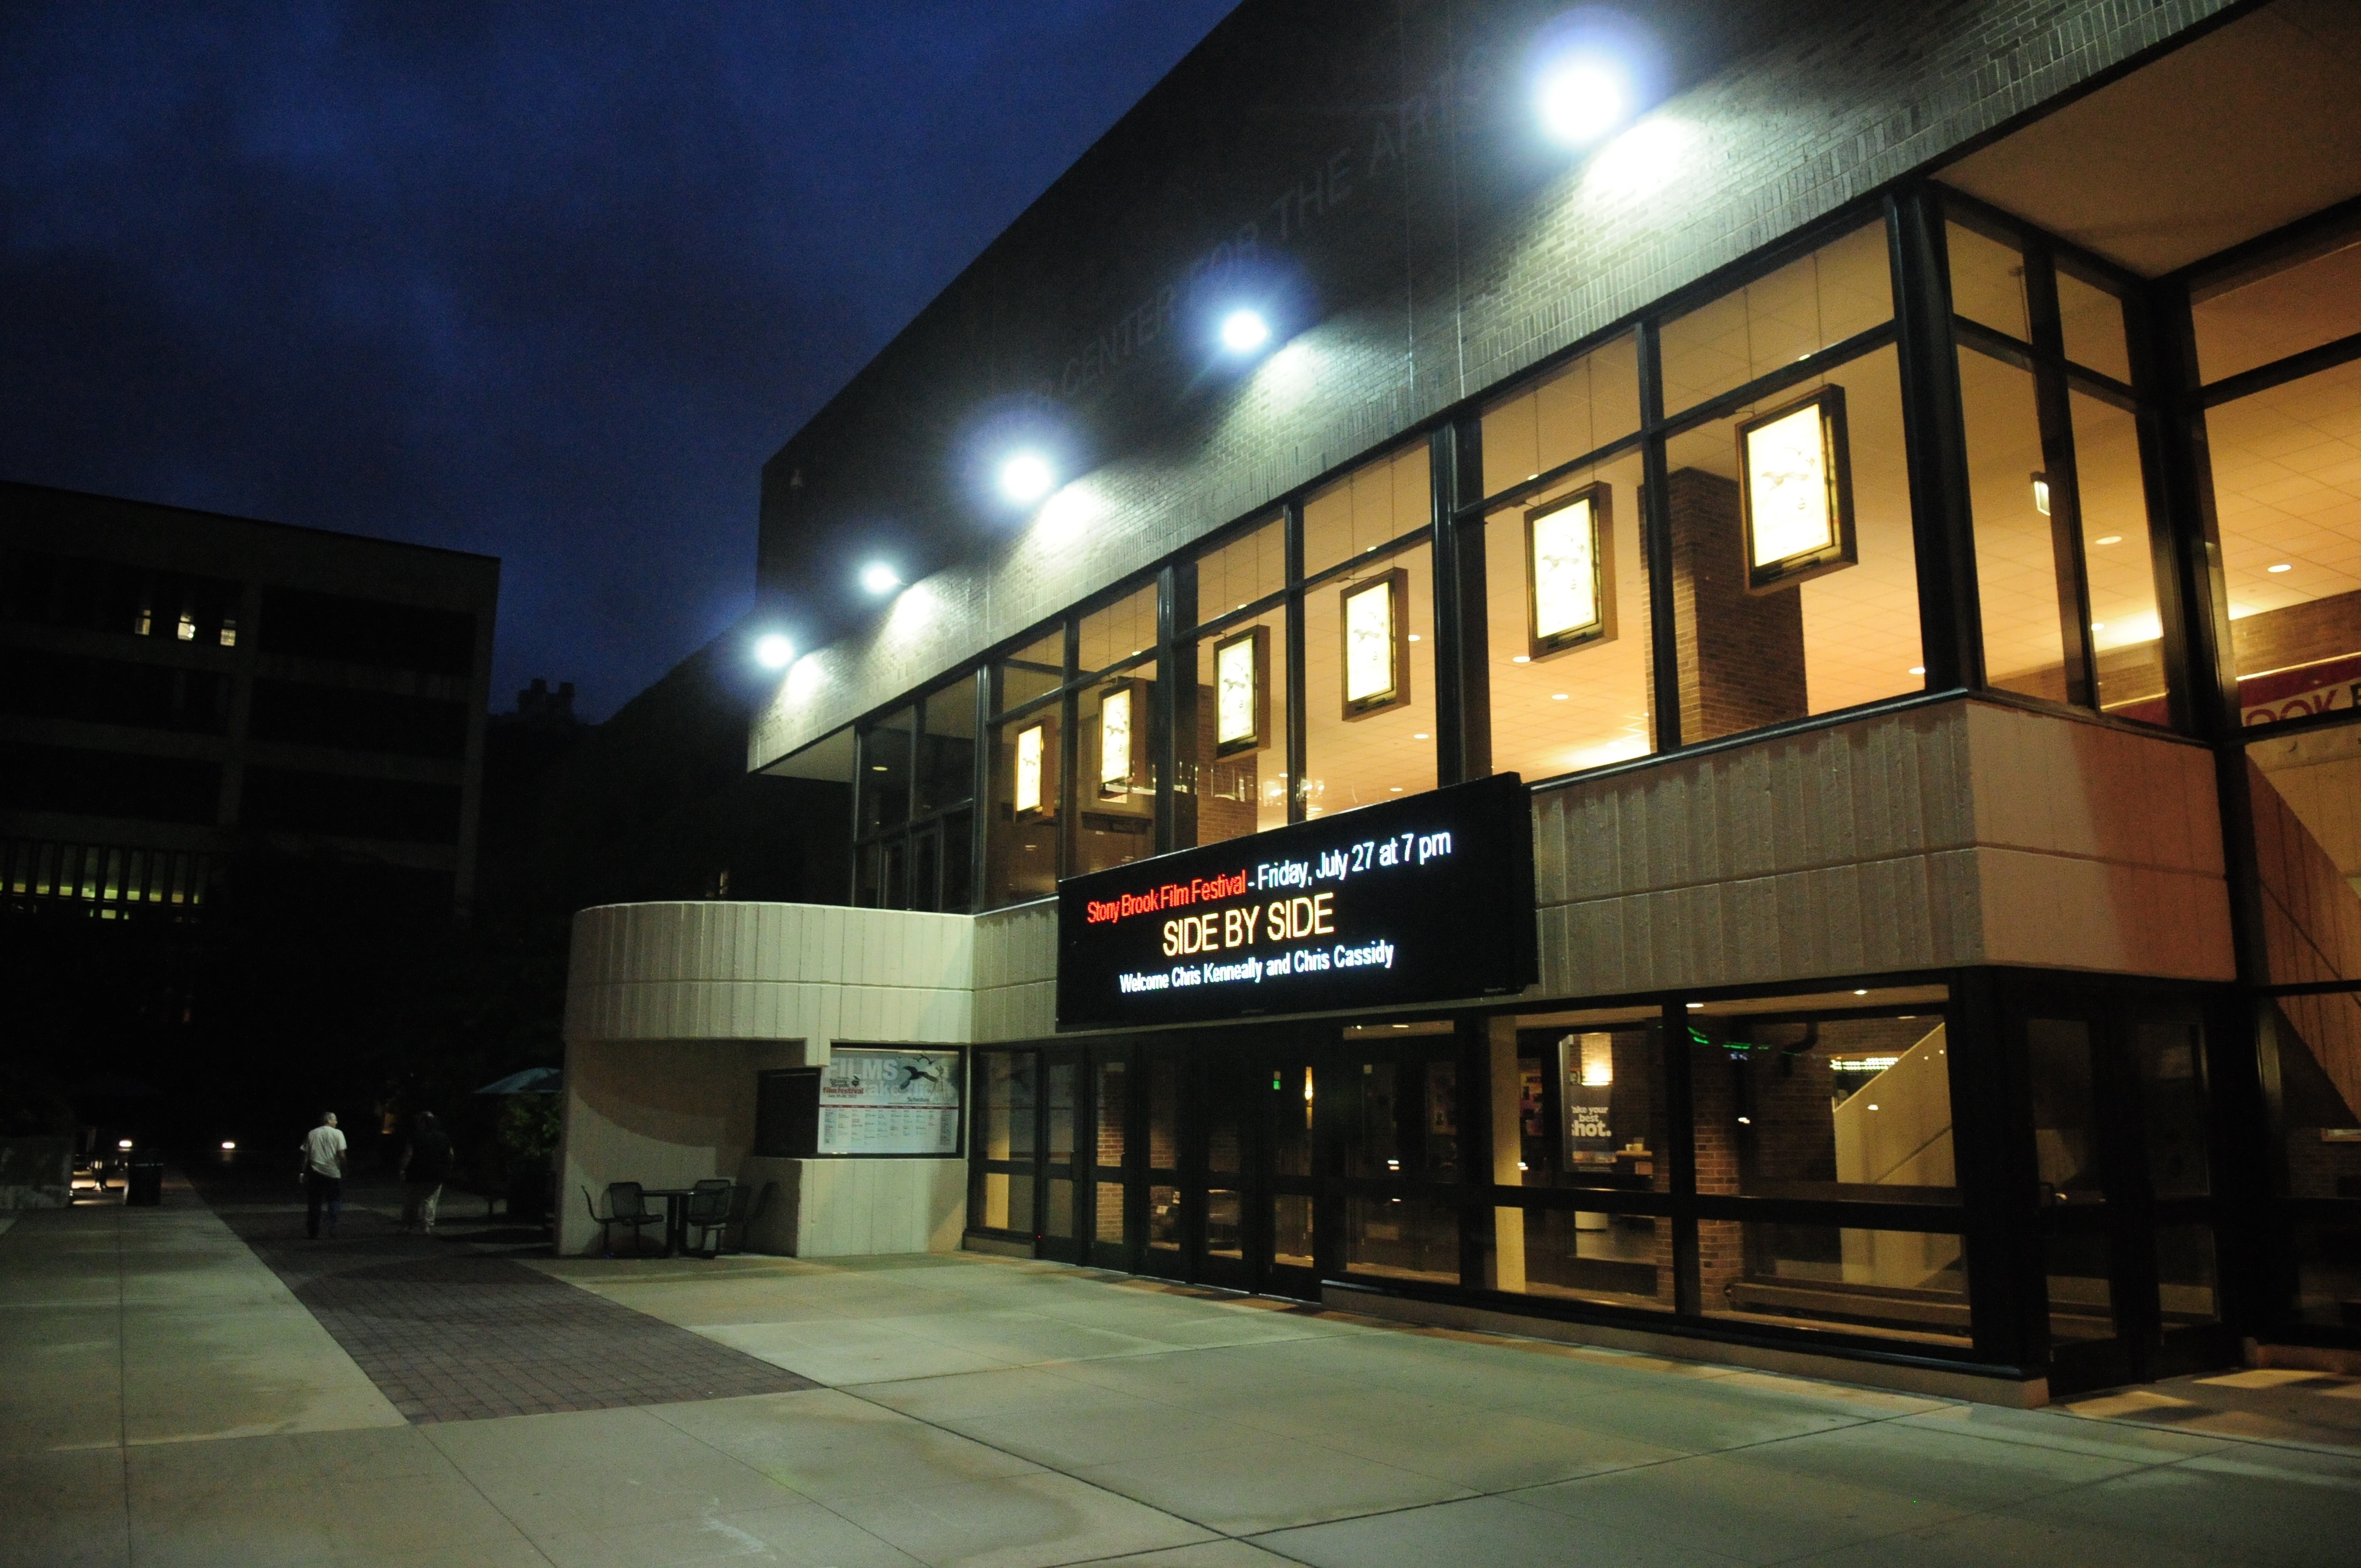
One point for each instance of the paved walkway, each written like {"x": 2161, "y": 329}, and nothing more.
{"x": 449, "y": 1333}
{"x": 986, "y": 1414}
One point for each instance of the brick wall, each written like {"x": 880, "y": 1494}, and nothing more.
{"x": 1741, "y": 655}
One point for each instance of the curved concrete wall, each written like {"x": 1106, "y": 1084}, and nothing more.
{"x": 672, "y": 1010}
{"x": 769, "y": 972}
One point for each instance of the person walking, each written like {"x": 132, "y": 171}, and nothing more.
{"x": 425, "y": 1166}
{"x": 324, "y": 1176}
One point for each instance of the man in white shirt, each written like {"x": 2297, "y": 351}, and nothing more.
{"x": 324, "y": 1175}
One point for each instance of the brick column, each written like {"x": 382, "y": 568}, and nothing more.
{"x": 1741, "y": 655}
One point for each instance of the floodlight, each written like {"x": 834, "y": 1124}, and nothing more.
{"x": 1582, "y": 98}
{"x": 1243, "y": 332}
{"x": 773, "y": 652}
{"x": 879, "y": 578}
{"x": 1026, "y": 477}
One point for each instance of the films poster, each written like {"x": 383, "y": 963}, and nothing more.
{"x": 890, "y": 1101}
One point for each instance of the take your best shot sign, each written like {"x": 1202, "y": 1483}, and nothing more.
{"x": 1423, "y": 899}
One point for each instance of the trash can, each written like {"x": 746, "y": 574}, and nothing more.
{"x": 145, "y": 1185}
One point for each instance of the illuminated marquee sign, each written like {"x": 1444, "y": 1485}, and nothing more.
{"x": 1423, "y": 899}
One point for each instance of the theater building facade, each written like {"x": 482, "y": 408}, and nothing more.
{"x": 1736, "y": 735}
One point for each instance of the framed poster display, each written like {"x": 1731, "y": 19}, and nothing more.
{"x": 1242, "y": 692}
{"x": 1570, "y": 572}
{"x": 891, "y": 1100}
{"x": 1794, "y": 480}
{"x": 1376, "y": 653}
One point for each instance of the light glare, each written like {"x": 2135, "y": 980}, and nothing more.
{"x": 1582, "y": 100}
{"x": 773, "y": 652}
{"x": 1243, "y": 332}
{"x": 1026, "y": 477}
{"x": 879, "y": 578}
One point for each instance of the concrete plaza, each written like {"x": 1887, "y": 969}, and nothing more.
{"x": 167, "y": 1398}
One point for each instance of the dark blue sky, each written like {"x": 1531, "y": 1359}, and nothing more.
{"x": 546, "y": 282}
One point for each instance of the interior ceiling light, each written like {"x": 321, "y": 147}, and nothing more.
{"x": 879, "y": 578}
{"x": 773, "y": 652}
{"x": 1243, "y": 332}
{"x": 2282, "y": 567}
{"x": 1026, "y": 477}
{"x": 1582, "y": 99}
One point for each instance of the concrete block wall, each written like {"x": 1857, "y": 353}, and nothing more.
{"x": 1961, "y": 833}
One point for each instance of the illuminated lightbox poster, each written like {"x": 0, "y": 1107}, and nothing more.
{"x": 1570, "y": 573}
{"x": 1377, "y": 671}
{"x": 1242, "y": 692}
{"x": 889, "y": 1103}
{"x": 1795, "y": 492}
{"x": 1123, "y": 739}
{"x": 1027, "y": 791}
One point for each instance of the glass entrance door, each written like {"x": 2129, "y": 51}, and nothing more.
{"x": 1065, "y": 1184}
{"x": 2122, "y": 1146}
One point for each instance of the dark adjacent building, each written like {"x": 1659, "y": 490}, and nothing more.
{"x": 179, "y": 689}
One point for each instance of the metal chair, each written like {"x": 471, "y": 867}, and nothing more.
{"x": 627, "y": 1204}
{"x": 707, "y": 1212}
{"x": 746, "y": 1206}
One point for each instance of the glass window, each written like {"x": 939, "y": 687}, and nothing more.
{"x": 2017, "y": 551}
{"x": 946, "y": 773}
{"x": 1582, "y": 1255}
{"x": 1988, "y": 281}
{"x": 1850, "y": 1108}
{"x": 2126, "y": 629}
{"x": 1249, "y": 568}
{"x": 1405, "y": 1237}
{"x": 1842, "y": 288}
{"x": 1591, "y": 402}
{"x": 886, "y": 772}
{"x": 1115, "y": 823}
{"x": 1021, "y": 846}
{"x": 1568, "y": 699}
{"x": 1893, "y": 1284}
{"x": 1034, "y": 670}
{"x": 1235, "y": 761}
{"x": 2328, "y": 1273}
{"x": 1591, "y": 1107}
{"x": 1357, "y": 751}
{"x": 2266, "y": 314}
{"x": 2092, "y": 321}
{"x": 1848, "y": 635}
{"x": 2286, "y": 491}
{"x": 1374, "y": 506}
{"x": 1124, "y": 630}
{"x": 1401, "y": 1118}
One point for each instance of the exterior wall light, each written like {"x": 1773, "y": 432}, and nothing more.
{"x": 1026, "y": 477}
{"x": 878, "y": 577}
{"x": 1583, "y": 99}
{"x": 1243, "y": 332}
{"x": 773, "y": 652}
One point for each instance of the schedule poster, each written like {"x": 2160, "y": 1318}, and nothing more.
{"x": 889, "y": 1102}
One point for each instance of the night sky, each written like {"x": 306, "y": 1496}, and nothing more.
{"x": 545, "y": 281}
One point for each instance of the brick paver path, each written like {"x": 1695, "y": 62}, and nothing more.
{"x": 451, "y": 1335}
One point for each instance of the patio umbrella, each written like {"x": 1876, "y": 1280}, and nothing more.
{"x": 532, "y": 1080}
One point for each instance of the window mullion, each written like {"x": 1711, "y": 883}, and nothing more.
{"x": 2056, "y": 415}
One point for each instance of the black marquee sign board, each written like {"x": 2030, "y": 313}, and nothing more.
{"x": 1428, "y": 898}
